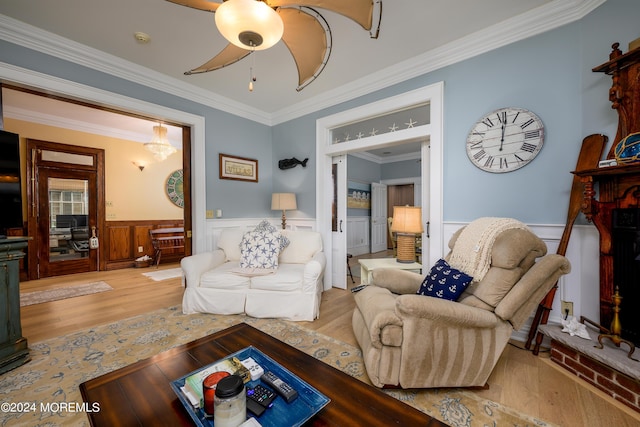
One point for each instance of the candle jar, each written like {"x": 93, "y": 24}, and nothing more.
{"x": 230, "y": 402}
{"x": 209, "y": 390}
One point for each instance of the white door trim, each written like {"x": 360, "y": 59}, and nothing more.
{"x": 378, "y": 226}
{"x": 339, "y": 236}
{"x": 71, "y": 89}
{"x": 431, "y": 170}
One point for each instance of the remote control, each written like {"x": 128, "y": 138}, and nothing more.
{"x": 283, "y": 389}
{"x": 259, "y": 398}
{"x": 358, "y": 288}
{"x": 255, "y": 408}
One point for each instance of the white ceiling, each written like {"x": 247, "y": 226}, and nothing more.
{"x": 48, "y": 111}
{"x": 183, "y": 38}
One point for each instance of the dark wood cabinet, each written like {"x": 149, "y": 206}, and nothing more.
{"x": 13, "y": 346}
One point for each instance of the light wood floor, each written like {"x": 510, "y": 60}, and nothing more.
{"x": 527, "y": 383}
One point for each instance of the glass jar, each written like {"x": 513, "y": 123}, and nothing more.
{"x": 230, "y": 404}
{"x": 209, "y": 390}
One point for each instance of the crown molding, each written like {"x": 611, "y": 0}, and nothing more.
{"x": 70, "y": 123}
{"x": 34, "y": 38}
{"x": 389, "y": 159}
{"x": 539, "y": 20}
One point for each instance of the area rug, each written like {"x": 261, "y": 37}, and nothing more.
{"x": 159, "y": 275}
{"x": 38, "y": 297}
{"x": 60, "y": 365}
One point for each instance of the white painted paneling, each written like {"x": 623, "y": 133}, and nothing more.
{"x": 581, "y": 285}
{"x": 378, "y": 217}
{"x": 358, "y": 241}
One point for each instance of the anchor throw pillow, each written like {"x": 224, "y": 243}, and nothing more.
{"x": 444, "y": 281}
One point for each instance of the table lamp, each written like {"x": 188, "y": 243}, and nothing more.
{"x": 283, "y": 202}
{"x": 407, "y": 222}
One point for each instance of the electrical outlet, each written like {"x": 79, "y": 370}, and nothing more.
{"x": 567, "y": 308}
{"x": 140, "y": 249}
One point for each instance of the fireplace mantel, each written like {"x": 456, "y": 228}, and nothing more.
{"x": 618, "y": 187}
{"x": 624, "y": 94}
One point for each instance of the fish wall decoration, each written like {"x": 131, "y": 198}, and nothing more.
{"x": 292, "y": 163}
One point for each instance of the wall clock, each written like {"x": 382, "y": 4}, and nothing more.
{"x": 174, "y": 188}
{"x": 505, "y": 140}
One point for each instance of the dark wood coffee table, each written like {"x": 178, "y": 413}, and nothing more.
{"x": 141, "y": 395}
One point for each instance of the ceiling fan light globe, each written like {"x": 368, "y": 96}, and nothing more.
{"x": 237, "y": 18}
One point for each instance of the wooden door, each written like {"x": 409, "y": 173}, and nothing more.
{"x": 65, "y": 208}
{"x": 186, "y": 183}
{"x": 398, "y": 195}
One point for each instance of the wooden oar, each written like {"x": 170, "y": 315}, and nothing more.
{"x": 590, "y": 154}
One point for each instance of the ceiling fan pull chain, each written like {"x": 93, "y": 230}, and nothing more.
{"x": 252, "y": 77}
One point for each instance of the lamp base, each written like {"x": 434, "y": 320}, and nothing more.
{"x": 406, "y": 247}
{"x": 284, "y": 221}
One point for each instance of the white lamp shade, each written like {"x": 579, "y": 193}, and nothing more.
{"x": 239, "y": 21}
{"x": 283, "y": 201}
{"x": 407, "y": 219}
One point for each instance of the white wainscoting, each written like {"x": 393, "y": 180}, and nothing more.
{"x": 581, "y": 285}
{"x": 358, "y": 232}
{"x": 215, "y": 226}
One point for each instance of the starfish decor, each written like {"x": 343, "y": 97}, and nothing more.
{"x": 306, "y": 33}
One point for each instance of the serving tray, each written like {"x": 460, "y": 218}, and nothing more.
{"x": 282, "y": 414}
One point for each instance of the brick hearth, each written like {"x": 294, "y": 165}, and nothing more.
{"x": 608, "y": 369}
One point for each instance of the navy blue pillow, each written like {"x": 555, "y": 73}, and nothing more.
{"x": 444, "y": 281}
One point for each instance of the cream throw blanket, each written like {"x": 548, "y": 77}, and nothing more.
{"x": 472, "y": 251}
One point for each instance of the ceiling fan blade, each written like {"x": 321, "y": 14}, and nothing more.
{"x": 308, "y": 38}
{"x": 206, "y": 5}
{"x": 227, "y": 56}
{"x": 367, "y": 13}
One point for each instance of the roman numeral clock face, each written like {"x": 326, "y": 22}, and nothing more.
{"x": 505, "y": 140}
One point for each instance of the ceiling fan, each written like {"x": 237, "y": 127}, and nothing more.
{"x": 251, "y": 25}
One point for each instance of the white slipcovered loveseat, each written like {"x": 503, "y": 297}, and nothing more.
{"x": 216, "y": 282}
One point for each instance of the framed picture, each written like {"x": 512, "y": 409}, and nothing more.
{"x": 238, "y": 168}
{"x": 358, "y": 195}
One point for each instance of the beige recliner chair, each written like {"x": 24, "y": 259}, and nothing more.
{"x": 416, "y": 341}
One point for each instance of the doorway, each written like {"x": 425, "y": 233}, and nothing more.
{"x": 194, "y": 156}
{"x": 398, "y": 195}
{"x": 431, "y": 138}
{"x": 65, "y": 209}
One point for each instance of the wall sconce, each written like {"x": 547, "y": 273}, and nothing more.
{"x": 139, "y": 165}
{"x": 283, "y": 202}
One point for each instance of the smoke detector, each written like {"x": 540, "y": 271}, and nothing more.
{"x": 141, "y": 37}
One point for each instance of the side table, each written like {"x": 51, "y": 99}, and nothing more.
{"x": 368, "y": 265}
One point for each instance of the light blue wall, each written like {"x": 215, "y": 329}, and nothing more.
{"x": 402, "y": 169}
{"x": 549, "y": 74}
{"x": 365, "y": 172}
{"x": 362, "y": 170}
{"x": 225, "y": 133}
{"x": 297, "y": 140}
